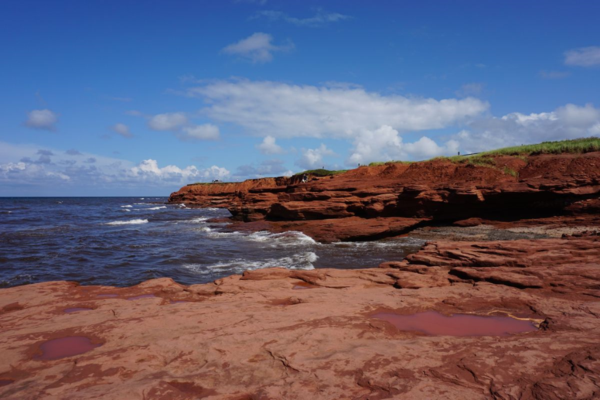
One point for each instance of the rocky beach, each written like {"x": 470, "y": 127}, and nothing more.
{"x": 501, "y": 302}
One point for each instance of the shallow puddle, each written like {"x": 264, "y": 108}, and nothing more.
{"x": 434, "y": 323}
{"x": 65, "y": 347}
{"x": 108, "y": 295}
{"x": 76, "y": 309}
{"x": 178, "y": 301}
{"x": 4, "y": 382}
{"x": 142, "y": 296}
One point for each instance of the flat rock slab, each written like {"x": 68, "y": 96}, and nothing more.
{"x": 254, "y": 336}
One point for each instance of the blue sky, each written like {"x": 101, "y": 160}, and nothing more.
{"x": 138, "y": 98}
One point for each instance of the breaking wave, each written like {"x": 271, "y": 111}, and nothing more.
{"x": 129, "y": 222}
{"x": 301, "y": 261}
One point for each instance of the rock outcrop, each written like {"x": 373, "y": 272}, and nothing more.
{"x": 284, "y": 334}
{"x": 439, "y": 191}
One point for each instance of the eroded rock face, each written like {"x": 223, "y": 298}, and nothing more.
{"x": 439, "y": 191}
{"x": 255, "y": 336}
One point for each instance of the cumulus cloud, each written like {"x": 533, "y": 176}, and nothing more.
{"x": 268, "y": 146}
{"x": 385, "y": 144}
{"x": 24, "y": 166}
{"x": 583, "y": 57}
{"x": 282, "y": 110}
{"x": 256, "y": 48}
{"x": 313, "y": 158}
{"x": 73, "y": 152}
{"x": 567, "y": 122}
{"x": 148, "y": 170}
{"x": 201, "y": 132}
{"x": 319, "y": 19}
{"x": 42, "y": 119}
{"x": 122, "y": 130}
{"x": 167, "y": 121}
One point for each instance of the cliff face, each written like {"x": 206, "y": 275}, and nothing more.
{"x": 439, "y": 191}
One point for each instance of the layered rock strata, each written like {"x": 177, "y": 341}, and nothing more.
{"x": 438, "y": 191}
{"x": 284, "y": 334}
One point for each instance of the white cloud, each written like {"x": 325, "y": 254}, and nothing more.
{"x": 319, "y": 19}
{"x": 53, "y": 170}
{"x": 201, "y": 132}
{"x": 148, "y": 170}
{"x": 256, "y": 48}
{"x": 167, "y": 121}
{"x": 268, "y": 146}
{"x": 42, "y": 119}
{"x": 283, "y": 111}
{"x": 313, "y": 158}
{"x": 567, "y": 122}
{"x": 583, "y": 57}
{"x": 385, "y": 144}
{"x": 122, "y": 130}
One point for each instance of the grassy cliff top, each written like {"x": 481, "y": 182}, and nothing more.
{"x": 583, "y": 145}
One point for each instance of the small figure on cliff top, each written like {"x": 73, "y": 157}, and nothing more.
{"x": 304, "y": 178}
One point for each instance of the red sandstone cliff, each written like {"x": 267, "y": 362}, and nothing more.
{"x": 374, "y": 202}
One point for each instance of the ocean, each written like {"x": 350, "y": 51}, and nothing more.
{"x": 122, "y": 241}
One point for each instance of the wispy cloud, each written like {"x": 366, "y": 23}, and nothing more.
{"x": 282, "y": 110}
{"x": 122, "y": 130}
{"x": 167, "y": 121}
{"x": 256, "y": 48}
{"x": 554, "y": 74}
{"x": 200, "y": 132}
{"x": 470, "y": 89}
{"x": 319, "y": 19}
{"x": 42, "y": 119}
{"x": 583, "y": 57}
{"x": 29, "y": 166}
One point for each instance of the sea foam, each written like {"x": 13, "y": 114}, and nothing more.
{"x": 129, "y": 222}
{"x": 299, "y": 261}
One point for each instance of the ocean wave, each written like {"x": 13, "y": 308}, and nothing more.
{"x": 126, "y": 209}
{"x": 285, "y": 239}
{"x": 396, "y": 243}
{"x": 127, "y": 206}
{"x": 198, "y": 220}
{"x": 129, "y": 222}
{"x": 156, "y": 208}
{"x": 300, "y": 261}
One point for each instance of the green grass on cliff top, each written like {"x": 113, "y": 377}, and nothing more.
{"x": 321, "y": 172}
{"x": 584, "y": 145}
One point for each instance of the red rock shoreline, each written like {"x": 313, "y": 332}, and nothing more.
{"x": 253, "y": 336}
{"x": 257, "y": 336}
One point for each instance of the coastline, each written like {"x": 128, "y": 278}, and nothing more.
{"x": 278, "y": 333}
{"x": 303, "y": 334}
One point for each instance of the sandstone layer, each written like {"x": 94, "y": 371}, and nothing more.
{"x": 284, "y": 334}
{"x": 396, "y": 198}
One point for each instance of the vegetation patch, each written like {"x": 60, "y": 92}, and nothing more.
{"x": 379, "y": 163}
{"x": 584, "y": 145}
{"x": 210, "y": 183}
{"x": 321, "y": 172}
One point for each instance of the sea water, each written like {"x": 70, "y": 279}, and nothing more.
{"x": 122, "y": 241}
